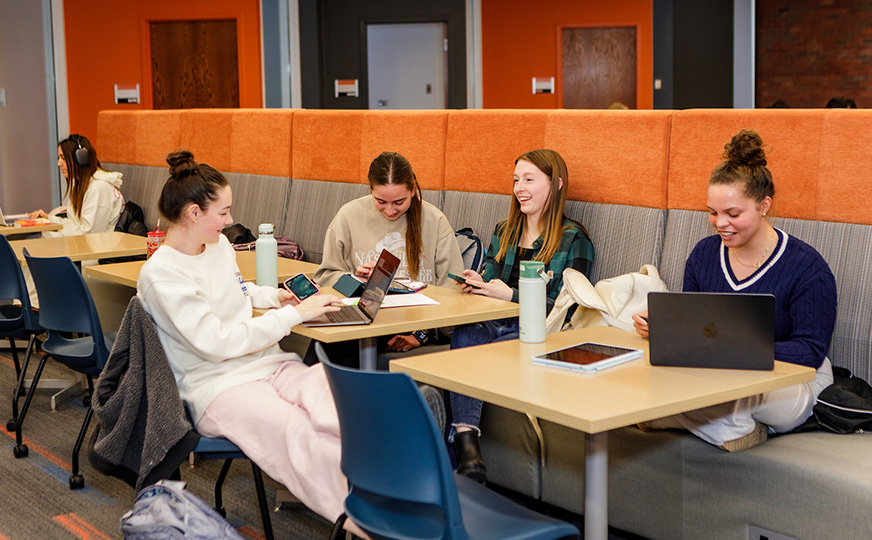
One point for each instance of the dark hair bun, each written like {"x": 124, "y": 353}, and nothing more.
{"x": 746, "y": 148}
{"x": 181, "y": 163}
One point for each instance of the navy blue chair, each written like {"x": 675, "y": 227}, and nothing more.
{"x": 16, "y": 321}
{"x": 74, "y": 338}
{"x": 209, "y": 448}
{"x": 400, "y": 481}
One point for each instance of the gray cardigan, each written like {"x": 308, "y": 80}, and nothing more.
{"x": 143, "y": 433}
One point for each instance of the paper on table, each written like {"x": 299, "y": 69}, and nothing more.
{"x": 399, "y": 300}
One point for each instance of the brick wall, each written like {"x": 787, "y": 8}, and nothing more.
{"x": 811, "y": 50}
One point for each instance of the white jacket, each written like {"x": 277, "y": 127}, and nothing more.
{"x": 100, "y": 210}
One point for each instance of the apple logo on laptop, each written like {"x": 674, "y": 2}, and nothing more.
{"x": 710, "y": 330}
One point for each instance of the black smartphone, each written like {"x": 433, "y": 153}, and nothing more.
{"x": 460, "y": 279}
{"x": 301, "y": 286}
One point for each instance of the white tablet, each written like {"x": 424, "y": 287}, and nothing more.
{"x": 588, "y": 357}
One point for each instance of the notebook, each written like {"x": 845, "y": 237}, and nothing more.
{"x": 365, "y": 310}
{"x": 713, "y": 330}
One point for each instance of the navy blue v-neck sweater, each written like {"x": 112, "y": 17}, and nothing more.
{"x": 798, "y": 277}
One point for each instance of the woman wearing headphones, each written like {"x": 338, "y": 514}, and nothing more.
{"x": 93, "y": 200}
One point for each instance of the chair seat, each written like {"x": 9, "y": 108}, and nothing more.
{"x": 77, "y": 353}
{"x": 11, "y": 323}
{"x": 218, "y": 448}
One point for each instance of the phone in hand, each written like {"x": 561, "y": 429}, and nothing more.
{"x": 461, "y": 280}
{"x": 301, "y": 286}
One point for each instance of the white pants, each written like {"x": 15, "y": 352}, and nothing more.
{"x": 287, "y": 424}
{"x": 782, "y": 410}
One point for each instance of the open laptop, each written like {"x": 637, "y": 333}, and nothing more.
{"x": 9, "y": 221}
{"x": 371, "y": 298}
{"x": 713, "y": 330}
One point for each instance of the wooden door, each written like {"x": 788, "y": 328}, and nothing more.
{"x": 599, "y": 67}
{"x": 194, "y": 64}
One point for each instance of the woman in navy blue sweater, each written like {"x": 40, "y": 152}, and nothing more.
{"x": 748, "y": 255}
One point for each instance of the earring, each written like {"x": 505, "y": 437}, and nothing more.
{"x": 764, "y": 214}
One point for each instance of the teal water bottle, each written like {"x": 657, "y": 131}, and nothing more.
{"x": 531, "y": 300}
{"x": 267, "y": 256}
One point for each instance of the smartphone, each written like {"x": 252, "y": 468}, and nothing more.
{"x": 460, "y": 279}
{"x": 301, "y": 286}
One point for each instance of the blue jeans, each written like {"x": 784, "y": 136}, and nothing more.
{"x": 466, "y": 411}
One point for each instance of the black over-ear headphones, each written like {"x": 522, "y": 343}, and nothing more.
{"x": 83, "y": 157}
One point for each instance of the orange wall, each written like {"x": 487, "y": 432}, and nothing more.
{"x": 520, "y": 40}
{"x": 106, "y": 45}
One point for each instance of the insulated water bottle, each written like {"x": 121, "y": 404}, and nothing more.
{"x": 267, "y": 256}
{"x": 531, "y": 297}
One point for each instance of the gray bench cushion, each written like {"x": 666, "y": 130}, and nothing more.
{"x": 142, "y": 185}
{"x": 624, "y": 237}
{"x": 480, "y": 211}
{"x": 259, "y": 199}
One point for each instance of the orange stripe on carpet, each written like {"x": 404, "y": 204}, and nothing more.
{"x": 80, "y": 528}
{"x": 250, "y": 533}
{"x": 57, "y": 460}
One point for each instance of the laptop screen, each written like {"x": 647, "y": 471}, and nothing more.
{"x": 379, "y": 283}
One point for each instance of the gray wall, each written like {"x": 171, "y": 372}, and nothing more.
{"x": 28, "y": 139}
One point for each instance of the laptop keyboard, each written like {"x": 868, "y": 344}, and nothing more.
{"x": 345, "y": 314}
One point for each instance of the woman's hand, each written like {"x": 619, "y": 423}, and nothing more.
{"x": 640, "y": 323}
{"x": 288, "y": 298}
{"x": 403, "y": 343}
{"x": 317, "y": 305}
{"x": 36, "y": 214}
{"x": 365, "y": 269}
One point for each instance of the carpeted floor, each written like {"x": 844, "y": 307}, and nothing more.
{"x": 37, "y": 503}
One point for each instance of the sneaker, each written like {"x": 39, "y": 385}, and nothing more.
{"x": 759, "y": 435}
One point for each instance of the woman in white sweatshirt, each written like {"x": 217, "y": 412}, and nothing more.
{"x": 235, "y": 379}
{"x": 94, "y": 203}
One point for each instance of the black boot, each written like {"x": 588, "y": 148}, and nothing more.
{"x": 469, "y": 460}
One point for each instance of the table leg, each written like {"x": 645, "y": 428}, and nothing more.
{"x": 596, "y": 486}
{"x": 368, "y": 353}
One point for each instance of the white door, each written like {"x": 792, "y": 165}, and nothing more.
{"x": 407, "y": 65}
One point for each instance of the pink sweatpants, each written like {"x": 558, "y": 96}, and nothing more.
{"x": 287, "y": 424}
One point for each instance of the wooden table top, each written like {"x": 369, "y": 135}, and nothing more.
{"x": 504, "y": 374}
{"x": 82, "y": 247}
{"x": 127, "y": 273}
{"x": 18, "y": 230}
{"x": 454, "y": 308}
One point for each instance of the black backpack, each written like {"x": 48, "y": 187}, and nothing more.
{"x": 843, "y": 407}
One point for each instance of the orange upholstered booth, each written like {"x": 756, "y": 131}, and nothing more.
{"x": 327, "y": 146}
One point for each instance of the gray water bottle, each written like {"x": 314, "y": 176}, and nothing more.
{"x": 531, "y": 299}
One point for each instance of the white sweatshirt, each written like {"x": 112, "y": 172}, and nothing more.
{"x": 203, "y": 313}
{"x": 101, "y": 207}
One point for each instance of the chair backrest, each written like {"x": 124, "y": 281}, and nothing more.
{"x": 65, "y": 303}
{"x": 12, "y": 285}
{"x": 392, "y": 451}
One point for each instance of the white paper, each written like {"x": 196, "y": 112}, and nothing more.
{"x": 399, "y": 300}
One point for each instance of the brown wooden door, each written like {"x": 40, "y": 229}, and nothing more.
{"x": 194, "y": 64}
{"x": 599, "y": 67}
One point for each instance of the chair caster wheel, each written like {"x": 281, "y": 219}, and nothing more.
{"x": 77, "y": 482}
{"x": 12, "y": 426}
{"x": 20, "y": 451}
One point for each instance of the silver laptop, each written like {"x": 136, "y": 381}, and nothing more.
{"x": 9, "y": 221}
{"x": 714, "y": 330}
{"x": 371, "y": 298}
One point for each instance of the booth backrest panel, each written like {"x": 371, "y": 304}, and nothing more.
{"x": 259, "y": 199}
{"x": 207, "y": 133}
{"x": 157, "y": 134}
{"x": 845, "y": 165}
{"x": 260, "y": 141}
{"x": 116, "y": 137}
{"x": 418, "y": 135}
{"x": 327, "y": 146}
{"x": 792, "y": 139}
{"x": 613, "y": 158}
{"x": 482, "y": 146}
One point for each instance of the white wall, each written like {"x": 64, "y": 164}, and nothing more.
{"x": 28, "y": 140}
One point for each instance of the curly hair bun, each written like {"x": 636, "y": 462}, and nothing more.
{"x": 746, "y": 148}
{"x": 181, "y": 163}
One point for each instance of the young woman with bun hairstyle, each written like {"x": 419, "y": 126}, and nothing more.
{"x": 235, "y": 379}
{"x": 748, "y": 255}
{"x": 94, "y": 203}
{"x": 394, "y": 216}
{"x": 538, "y": 230}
